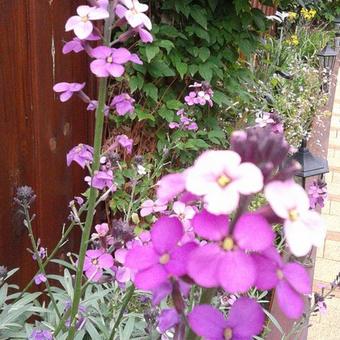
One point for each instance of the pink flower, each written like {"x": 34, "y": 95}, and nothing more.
{"x": 123, "y": 273}
{"x": 169, "y": 186}
{"x": 109, "y": 61}
{"x": 226, "y": 260}
{"x": 144, "y": 35}
{"x": 125, "y": 142}
{"x": 185, "y": 213}
{"x": 102, "y": 229}
{"x": 40, "y": 278}
{"x": 167, "y": 319}
{"x": 102, "y": 179}
{"x": 290, "y": 280}
{"x": 93, "y": 105}
{"x": 220, "y": 177}
{"x": 95, "y": 262}
{"x": 67, "y": 90}
{"x": 77, "y": 45}
{"x": 81, "y": 24}
{"x": 162, "y": 258}
{"x": 245, "y": 320}
{"x": 149, "y": 207}
{"x": 101, "y": 3}
{"x": 303, "y": 228}
{"x": 81, "y": 154}
{"x": 123, "y": 104}
{"x": 134, "y": 13}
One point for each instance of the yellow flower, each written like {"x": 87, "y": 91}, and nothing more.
{"x": 292, "y": 16}
{"x": 308, "y": 14}
{"x": 293, "y": 40}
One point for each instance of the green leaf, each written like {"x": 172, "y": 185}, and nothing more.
{"x": 142, "y": 115}
{"x": 196, "y": 144}
{"x": 220, "y": 98}
{"x": 201, "y": 33}
{"x": 193, "y": 69}
{"x": 182, "y": 69}
{"x": 167, "y": 114}
{"x": 174, "y": 104}
{"x": 213, "y": 4}
{"x": 160, "y": 69}
{"x": 151, "y": 51}
{"x": 205, "y": 71}
{"x": 167, "y": 44}
{"x": 204, "y": 53}
{"x": 199, "y": 15}
{"x": 151, "y": 90}
{"x": 136, "y": 82}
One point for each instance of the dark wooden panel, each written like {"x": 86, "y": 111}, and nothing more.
{"x": 36, "y": 130}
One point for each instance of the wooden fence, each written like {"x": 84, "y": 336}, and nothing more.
{"x": 36, "y": 130}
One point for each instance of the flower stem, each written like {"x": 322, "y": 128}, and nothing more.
{"x": 91, "y": 205}
{"x": 127, "y": 299}
{"x": 38, "y": 258}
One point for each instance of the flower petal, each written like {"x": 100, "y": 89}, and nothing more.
{"x": 253, "y": 232}
{"x": 249, "y": 179}
{"x": 179, "y": 259}
{"x": 98, "y": 67}
{"x": 115, "y": 70}
{"x": 141, "y": 257}
{"x": 246, "y": 317}
{"x": 101, "y": 52}
{"x": 290, "y": 302}
{"x": 209, "y": 226}
{"x": 298, "y": 277}
{"x": 83, "y": 29}
{"x": 105, "y": 261}
{"x": 166, "y": 233}
{"x": 206, "y": 321}
{"x": 237, "y": 271}
{"x": 72, "y": 22}
{"x": 267, "y": 272}
{"x": 203, "y": 265}
{"x": 151, "y": 278}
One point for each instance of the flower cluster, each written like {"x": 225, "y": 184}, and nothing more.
{"x": 200, "y": 94}
{"x": 186, "y": 123}
{"x": 230, "y": 248}
{"x": 317, "y": 194}
{"x": 308, "y": 14}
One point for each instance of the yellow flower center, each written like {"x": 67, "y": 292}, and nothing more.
{"x": 228, "y": 334}
{"x": 293, "y": 215}
{"x": 85, "y": 18}
{"x": 223, "y": 181}
{"x": 279, "y": 274}
{"x": 164, "y": 259}
{"x": 228, "y": 243}
{"x": 94, "y": 261}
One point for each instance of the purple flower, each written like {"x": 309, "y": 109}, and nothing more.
{"x": 81, "y": 24}
{"x": 123, "y": 104}
{"x": 174, "y": 125}
{"x": 77, "y": 45}
{"x": 67, "y": 89}
{"x": 39, "y": 278}
{"x": 93, "y": 104}
{"x": 95, "y": 262}
{"x": 149, "y": 206}
{"x": 225, "y": 261}
{"x": 155, "y": 262}
{"x": 290, "y": 279}
{"x": 40, "y": 334}
{"x": 170, "y": 186}
{"x": 317, "y": 194}
{"x": 109, "y": 61}
{"x": 125, "y": 142}
{"x": 80, "y": 317}
{"x": 101, "y": 179}
{"x": 167, "y": 319}
{"x": 245, "y": 320}
{"x": 42, "y": 252}
{"x": 144, "y": 35}
{"x": 81, "y": 154}
{"x": 201, "y": 95}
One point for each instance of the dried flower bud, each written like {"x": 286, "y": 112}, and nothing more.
{"x": 24, "y": 195}
{"x": 3, "y": 272}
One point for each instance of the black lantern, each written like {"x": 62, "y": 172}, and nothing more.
{"x": 327, "y": 58}
{"x": 337, "y": 42}
{"x": 310, "y": 165}
{"x": 337, "y": 23}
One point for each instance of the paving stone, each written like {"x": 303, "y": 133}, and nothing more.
{"x": 320, "y": 251}
{"x": 329, "y": 177}
{"x": 335, "y": 208}
{"x": 332, "y": 222}
{"x": 326, "y": 327}
{"x": 333, "y": 188}
{"x": 335, "y": 177}
{"x": 327, "y": 208}
{"x": 326, "y": 270}
{"x": 332, "y": 250}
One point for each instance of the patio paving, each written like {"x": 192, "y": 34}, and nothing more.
{"x": 327, "y": 266}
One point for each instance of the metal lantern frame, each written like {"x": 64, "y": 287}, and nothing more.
{"x": 327, "y": 57}
{"x": 337, "y": 42}
{"x": 311, "y": 165}
{"x": 337, "y": 23}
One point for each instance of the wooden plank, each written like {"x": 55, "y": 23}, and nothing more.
{"x": 36, "y": 130}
